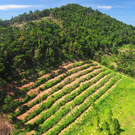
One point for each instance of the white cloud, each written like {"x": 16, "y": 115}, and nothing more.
{"x": 105, "y": 7}
{"x": 6, "y": 7}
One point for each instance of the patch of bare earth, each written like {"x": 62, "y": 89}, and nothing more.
{"x": 5, "y": 126}
{"x": 35, "y": 91}
{"x": 114, "y": 64}
{"x": 65, "y": 65}
{"x": 20, "y": 25}
{"x": 39, "y": 95}
{"x": 47, "y": 91}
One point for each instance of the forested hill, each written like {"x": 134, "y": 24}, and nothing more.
{"x": 84, "y": 33}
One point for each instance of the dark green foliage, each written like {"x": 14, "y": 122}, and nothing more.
{"x": 116, "y": 126}
{"x": 25, "y": 89}
{"x": 126, "y": 61}
{"x": 105, "y": 126}
{"x": 3, "y": 84}
{"x": 9, "y": 104}
{"x": 111, "y": 126}
{"x": 84, "y": 32}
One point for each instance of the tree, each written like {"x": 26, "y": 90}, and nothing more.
{"x": 110, "y": 114}
{"x": 2, "y": 68}
{"x": 106, "y": 127}
{"x": 3, "y": 84}
{"x": 19, "y": 62}
{"x": 115, "y": 127}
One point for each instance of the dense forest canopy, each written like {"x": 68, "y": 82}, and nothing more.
{"x": 84, "y": 32}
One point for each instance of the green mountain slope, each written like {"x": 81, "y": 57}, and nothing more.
{"x": 71, "y": 100}
{"x": 83, "y": 33}
{"x": 44, "y": 41}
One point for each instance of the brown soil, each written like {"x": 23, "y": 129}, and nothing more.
{"x": 48, "y": 74}
{"x": 35, "y": 91}
{"x": 68, "y": 85}
{"x": 50, "y": 89}
{"x": 30, "y": 84}
{"x": 38, "y": 116}
{"x": 5, "y": 127}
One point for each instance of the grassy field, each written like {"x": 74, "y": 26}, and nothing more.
{"x": 63, "y": 104}
{"x": 120, "y": 100}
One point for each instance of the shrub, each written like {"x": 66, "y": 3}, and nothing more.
{"x": 9, "y": 104}
{"x": 25, "y": 89}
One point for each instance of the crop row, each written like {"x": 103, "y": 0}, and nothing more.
{"x": 75, "y": 113}
{"x": 88, "y": 114}
{"x": 43, "y": 80}
{"x": 52, "y": 75}
{"x": 48, "y": 84}
{"x": 79, "y": 100}
{"x": 51, "y": 83}
{"x": 55, "y": 96}
{"x": 68, "y": 98}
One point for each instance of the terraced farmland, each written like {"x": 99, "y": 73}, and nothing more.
{"x": 62, "y": 103}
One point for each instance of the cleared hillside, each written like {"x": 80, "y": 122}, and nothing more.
{"x": 64, "y": 104}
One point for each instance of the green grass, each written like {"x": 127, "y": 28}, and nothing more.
{"x": 121, "y": 96}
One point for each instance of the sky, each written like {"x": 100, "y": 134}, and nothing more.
{"x": 122, "y": 10}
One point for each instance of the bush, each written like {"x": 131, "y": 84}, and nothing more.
{"x": 9, "y": 104}
{"x": 3, "y": 83}
{"x": 25, "y": 89}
